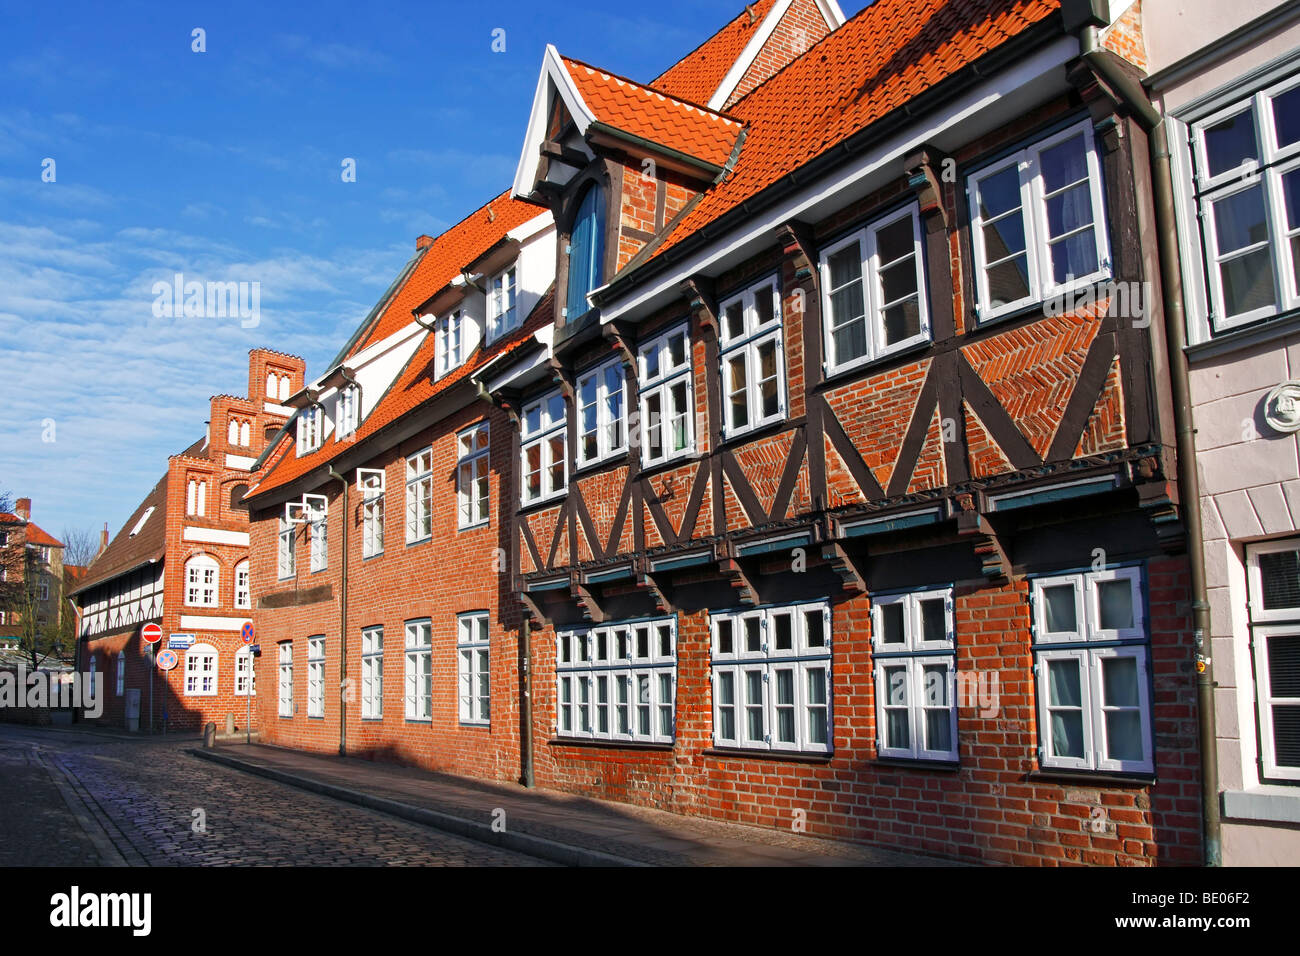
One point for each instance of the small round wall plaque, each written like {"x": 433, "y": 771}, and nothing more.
{"x": 1282, "y": 407}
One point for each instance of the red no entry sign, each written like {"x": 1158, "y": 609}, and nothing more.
{"x": 152, "y": 633}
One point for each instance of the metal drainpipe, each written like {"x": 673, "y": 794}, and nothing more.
{"x": 1171, "y": 284}
{"x": 343, "y": 622}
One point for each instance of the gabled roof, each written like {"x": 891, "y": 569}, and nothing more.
{"x": 875, "y": 63}
{"x": 127, "y": 552}
{"x": 32, "y": 532}
{"x": 652, "y": 115}
{"x": 415, "y": 386}
{"x": 444, "y": 259}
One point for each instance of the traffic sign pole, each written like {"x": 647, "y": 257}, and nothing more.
{"x": 152, "y": 634}
{"x": 246, "y": 635}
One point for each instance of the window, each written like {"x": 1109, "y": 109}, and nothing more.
{"x": 310, "y": 429}
{"x": 287, "y": 556}
{"x": 272, "y": 384}
{"x": 318, "y": 534}
{"x": 502, "y": 309}
{"x": 1246, "y": 182}
{"x": 915, "y": 673}
{"x": 232, "y": 433}
{"x": 201, "y": 578}
{"x": 196, "y": 497}
{"x": 586, "y": 252}
{"x": 472, "y": 649}
{"x": 316, "y": 677}
{"x": 419, "y": 673}
{"x": 772, "y": 678}
{"x": 237, "y": 433}
{"x": 372, "y": 673}
{"x": 285, "y": 388}
{"x": 874, "y": 282}
{"x": 286, "y": 679}
{"x": 667, "y": 419}
{"x": 1273, "y": 573}
{"x": 472, "y": 475}
{"x": 601, "y": 400}
{"x": 121, "y": 673}
{"x": 449, "y": 332}
{"x": 348, "y": 411}
{"x": 43, "y": 588}
{"x": 1090, "y": 649}
{"x": 419, "y": 496}
{"x": 201, "y": 671}
{"x": 1038, "y": 223}
{"x": 245, "y": 675}
{"x": 371, "y": 481}
{"x": 752, "y": 359}
{"x": 543, "y": 435}
{"x": 243, "y": 589}
{"x": 618, "y": 681}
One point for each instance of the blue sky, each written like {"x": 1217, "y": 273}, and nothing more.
{"x": 225, "y": 166}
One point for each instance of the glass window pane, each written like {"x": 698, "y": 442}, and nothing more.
{"x": 897, "y": 732}
{"x": 1008, "y": 281}
{"x": 764, "y": 305}
{"x": 1247, "y": 282}
{"x": 767, "y": 375}
{"x": 753, "y": 634}
{"x": 1286, "y": 116}
{"x": 1119, "y": 681}
{"x": 1124, "y": 735}
{"x": 733, "y": 319}
{"x": 1230, "y": 142}
{"x": 724, "y": 637}
{"x": 892, "y": 623}
{"x": 934, "y": 620}
{"x": 1239, "y": 220}
{"x": 935, "y": 685}
{"x": 1067, "y": 733}
{"x": 895, "y": 686}
{"x": 1063, "y": 164}
{"x": 1279, "y": 575}
{"x": 845, "y": 266}
{"x": 677, "y": 349}
{"x": 895, "y": 241}
{"x": 999, "y": 193}
{"x": 1116, "y": 600}
{"x": 938, "y": 730}
{"x": 1058, "y": 602}
{"x": 1074, "y": 256}
{"x": 737, "y": 381}
{"x": 1063, "y": 686}
{"x": 783, "y": 626}
{"x": 814, "y": 628}
{"x": 1284, "y": 665}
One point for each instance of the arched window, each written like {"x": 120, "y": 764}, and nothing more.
{"x": 121, "y": 673}
{"x": 243, "y": 592}
{"x": 202, "y": 575}
{"x": 243, "y": 434}
{"x": 232, "y": 433}
{"x": 284, "y": 387}
{"x": 201, "y": 671}
{"x": 586, "y": 252}
{"x": 270, "y": 385}
{"x": 245, "y": 676}
{"x": 237, "y": 493}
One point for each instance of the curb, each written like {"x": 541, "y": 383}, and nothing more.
{"x": 539, "y": 847}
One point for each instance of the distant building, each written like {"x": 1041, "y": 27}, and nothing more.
{"x": 17, "y": 530}
{"x": 181, "y": 560}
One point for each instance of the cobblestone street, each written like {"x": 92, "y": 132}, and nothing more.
{"x": 149, "y": 803}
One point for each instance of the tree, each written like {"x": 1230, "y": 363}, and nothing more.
{"x": 80, "y": 545}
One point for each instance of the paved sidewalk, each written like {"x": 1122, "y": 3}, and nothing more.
{"x": 548, "y": 824}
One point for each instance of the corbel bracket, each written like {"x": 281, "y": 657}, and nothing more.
{"x": 853, "y": 581}
{"x": 979, "y": 531}
{"x": 703, "y": 305}
{"x": 924, "y": 177}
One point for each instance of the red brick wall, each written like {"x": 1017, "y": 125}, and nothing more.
{"x": 800, "y": 27}
{"x": 1124, "y": 36}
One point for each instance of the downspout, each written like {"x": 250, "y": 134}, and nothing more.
{"x": 1171, "y": 284}
{"x": 343, "y": 623}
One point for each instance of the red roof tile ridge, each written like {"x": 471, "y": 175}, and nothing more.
{"x": 725, "y": 117}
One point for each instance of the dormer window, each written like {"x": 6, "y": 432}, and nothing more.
{"x": 310, "y": 429}
{"x": 586, "y": 252}
{"x": 450, "y": 333}
{"x": 503, "y": 313}
{"x": 349, "y": 410}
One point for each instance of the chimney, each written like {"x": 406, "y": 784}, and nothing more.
{"x": 23, "y": 506}
{"x": 103, "y": 540}
{"x": 423, "y": 242}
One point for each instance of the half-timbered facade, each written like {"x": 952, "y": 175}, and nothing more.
{"x": 849, "y": 505}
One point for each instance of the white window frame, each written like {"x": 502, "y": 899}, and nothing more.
{"x": 317, "y": 531}
{"x": 746, "y": 345}
{"x": 865, "y": 239}
{"x": 473, "y": 464}
{"x": 1268, "y": 623}
{"x": 1090, "y": 645}
{"x": 914, "y": 655}
{"x": 740, "y": 663}
{"x": 245, "y": 673}
{"x": 473, "y": 657}
{"x": 419, "y": 496}
{"x": 349, "y": 410}
{"x": 371, "y": 483}
{"x": 549, "y": 426}
{"x": 658, "y": 377}
{"x": 284, "y": 685}
{"x": 503, "y": 287}
{"x": 372, "y": 673}
{"x": 634, "y": 655}
{"x": 1266, "y": 171}
{"x": 1033, "y": 213}
{"x": 316, "y": 676}
{"x": 201, "y": 671}
{"x": 311, "y": 430}
{"x": 243, "y": 586}
{"x": 196, "y": 498}
{"x": 202, "y": 581}
{"x": 606, "y": 420}
{"x": 286, "y": 553}
{"x": 449, "y": 342}
{"x": 418, "y": 688}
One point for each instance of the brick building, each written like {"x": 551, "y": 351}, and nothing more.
{"x": 27, "y": 550}
{"x": 788, "y": 446}
{"x": 182, "y": 561}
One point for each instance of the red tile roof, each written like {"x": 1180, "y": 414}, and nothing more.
{"x": 415, "y": 386}
{"x": 126, "y": 551}
{"x": 877, "y": 61}
{"x": 653, "y": 115}
{"x": 443, "y": 260}
{"x": 696, "y": 76}
{"x": 32, "y": 533}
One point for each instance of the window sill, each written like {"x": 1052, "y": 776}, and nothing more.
{"x": 476, "y": 526}
{"x": 541, "y": 503}
{"x": 418, "y": 720}
{"x": 765, "y": 430}
{"x": 419, "y": 541}
{"x": 1091, "y": 777}
{"x": 1267, "y": 803}
{"x": 476, "y": 724}
{"x": 668, "y": 464}
{"x": 606, "y": 744}
{"x": 1231, "y": 340}
{"x": 836, "y": 376}
{"x": 917, "y": 763}
{"x": 596, "y": 463}
{"x": 755, "y": 754}
{"x": 367, "y": 557}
